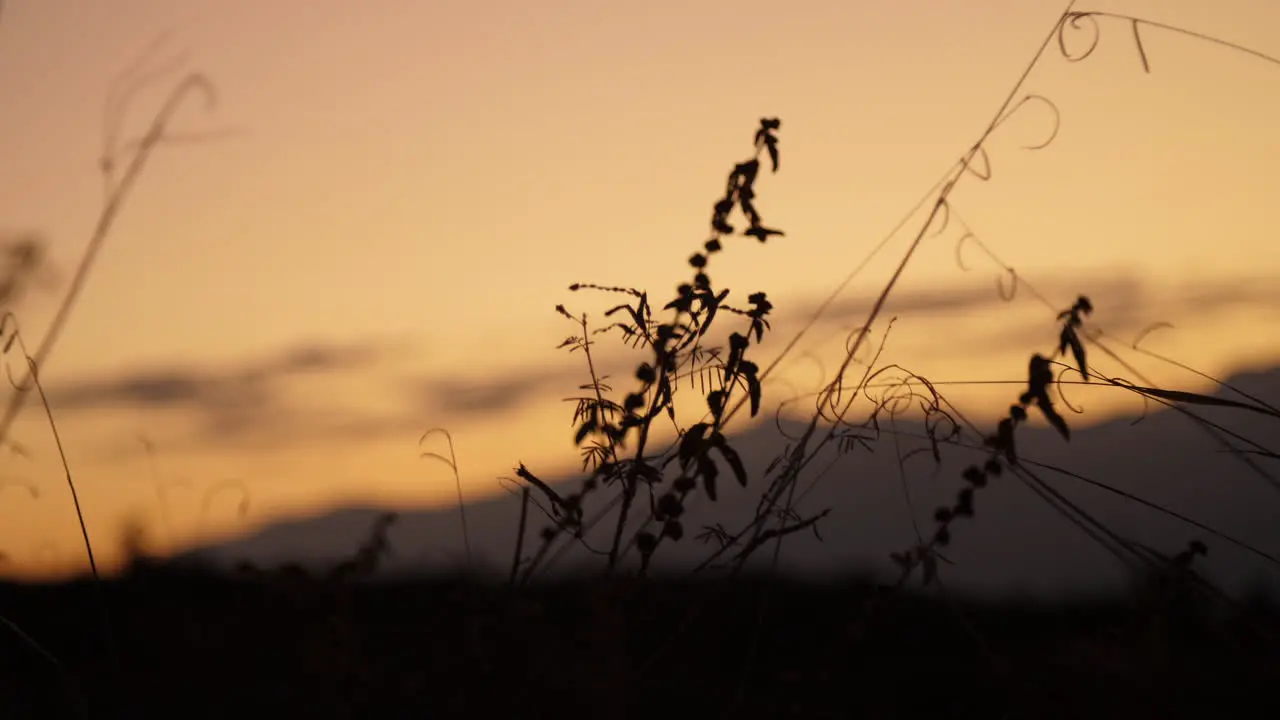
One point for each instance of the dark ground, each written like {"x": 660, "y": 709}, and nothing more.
{"x": 196, "y": 645}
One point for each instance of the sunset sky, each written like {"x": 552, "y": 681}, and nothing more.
{"x": 394, "y": 195}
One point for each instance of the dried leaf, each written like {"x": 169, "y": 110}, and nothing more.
{"x": 1056, "y": 421}
{"x": 731, "y": 457}
{"x": 1071, "y": 339}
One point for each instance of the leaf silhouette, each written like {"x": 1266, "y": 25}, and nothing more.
{"x": 762, "y": 233}
{"x": 715, "y": 401}
{"x": 765, "y": 136}
{"x": 707, "y": 468}
{"x": 929, "y": 568}
{"x": 751, "y": 371}
{"x": 1071, "y": 339}
{"x": 691, "y": 443}
{"x": 1039, "y": 375}
{"x": 748, "y": 208}
{"x": 586, "y": 429}
{"x": 737, "y": 346}
{"x": 1198, "y": 399}
{"x": 731, "y": 457}
{"x": 523, "y": 473}
{"x": 1003, "y": 440}
{"x": 1055, "y": 420}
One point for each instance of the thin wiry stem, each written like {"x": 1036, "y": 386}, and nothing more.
{"x": 799, "y": 459}
{"x": 520, "y": 533}
{"x": 106, "y": 221}
{"x": 452, "y": 462}
{"x": 62, "y": 456}
{"x": 33, "y": 375}
{"x": 1183, "y": 366}
{"x": 1073, "y": 19}
{"x": 599, "y": 416}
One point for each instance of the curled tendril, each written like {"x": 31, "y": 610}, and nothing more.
{"x": 122, "y": 89}
{"x": 1148, "y": 330}
{"x": 242, "y": 509}
{"x": 945, "y": 206}
{"x": 898, "y": 396}
{"x": 1062, "y": 394}
{"x": 1008, "y": 295}
{"x": 795, "y": 396}
{"x": 960, "y": 249}
{"x": 1053, "y": 107}
{"x": 7, "y": 320}
{"x": 852, "y": 343}
{"x": 1074, "y": 20}
{"x": 13, "y": 337}
{"x": 1096, "y": 33}
{"x": 985, "y": 175}
{"x": 833, "y": 392}
{"x": 17, "y": 385}
{"x": 935, "y": 415}
{"x": 778, "y": 421}
{"x": 1146, "y": 401}
{"x": 894, "y": 387}
{"x": 901, "y": 391}
{"x": 1142, "y": 52}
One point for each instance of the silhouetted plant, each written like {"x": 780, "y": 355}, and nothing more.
{"x": 614, "y": 432}
{"x": 452, "y": 463}
{"x": 610, "y": 426}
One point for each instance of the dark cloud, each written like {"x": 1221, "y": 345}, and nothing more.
{"x": 498, "y": 393}
{"x": 235, "y": 401}
{"x": 227, "y": 386}
{"x": 149, "y": 389}
{"x": 1123, "y": 303}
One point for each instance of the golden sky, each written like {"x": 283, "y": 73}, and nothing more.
{"x": 405, "y": 190}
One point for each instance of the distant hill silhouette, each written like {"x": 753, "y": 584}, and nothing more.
{"x": 1015, "y": 544}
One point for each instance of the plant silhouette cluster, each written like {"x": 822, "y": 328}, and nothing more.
{"x": 678, "y": 346}
{"x": 605, "y": 427}
{"x": 653, "y": 490}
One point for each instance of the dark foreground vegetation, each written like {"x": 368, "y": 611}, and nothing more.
{"x": 168, "y": 642}
{"x": 193, "y": 644}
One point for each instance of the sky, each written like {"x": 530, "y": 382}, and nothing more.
{"x": 366, "y": 235}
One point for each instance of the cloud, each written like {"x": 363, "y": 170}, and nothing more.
{"x": 186, "y": 386}
{"x": 236, "y": 400}
{"x": 499, "y": 393}
{"x": 1123, "y": 303}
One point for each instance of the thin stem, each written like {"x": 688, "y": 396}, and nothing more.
{"x": 520, "y": 533}
{"x": 75, "y": 499}
{"x": 106, "y": 220}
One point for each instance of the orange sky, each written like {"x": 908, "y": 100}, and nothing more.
{"x": 408, "y": 188}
